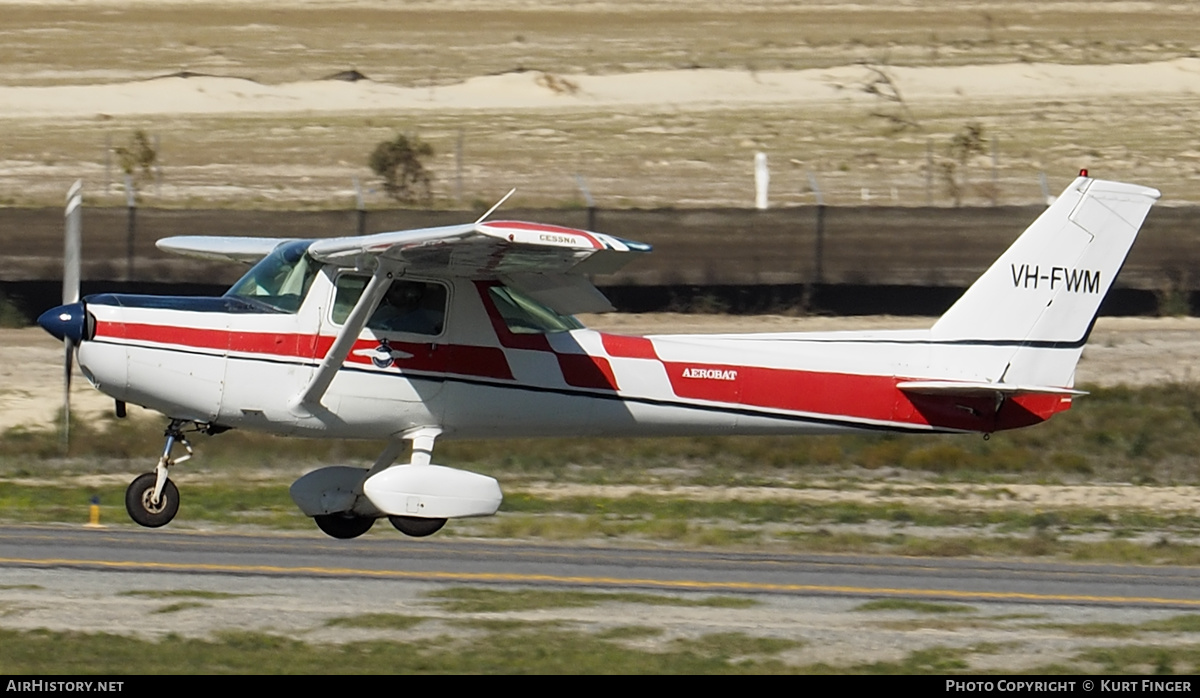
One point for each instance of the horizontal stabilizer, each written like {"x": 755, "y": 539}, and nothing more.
{"x": 978, "y": 389}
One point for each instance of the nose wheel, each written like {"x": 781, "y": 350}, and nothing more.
{"x": 147, "y": 510}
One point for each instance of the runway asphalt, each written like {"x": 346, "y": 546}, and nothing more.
{"x": 445, "y": 559}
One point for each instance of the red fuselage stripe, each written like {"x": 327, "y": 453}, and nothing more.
{"x": 467, "y": 360}
{"x": 857, "y": 397}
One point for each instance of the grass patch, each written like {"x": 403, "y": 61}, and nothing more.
{"x": 934, "y": 660}
{"x": 508, "y": 625}
{"x": 735, "y": 646}
{"x": 484, "y": 600}
{"x": 1144, "y": 659}
{"x": 180, "y": 606}
{"x": 939, "y": 623}
{"x": 511, "y": 649}
{"x": 628, "y": 632}
{"x": 181, "y": 593}
{"x": 1186, "y": 623}
{"x": 376, "y": 621}
{"x": 1097, "y": 629}
{"x": 914, "y": 606}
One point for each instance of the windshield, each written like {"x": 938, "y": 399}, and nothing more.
{"x": 281, "y": 280}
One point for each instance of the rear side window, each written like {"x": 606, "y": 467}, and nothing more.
{"x": 524, "y": 315}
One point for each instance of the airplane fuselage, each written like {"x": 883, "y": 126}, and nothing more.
{"x": 485, "y": 374}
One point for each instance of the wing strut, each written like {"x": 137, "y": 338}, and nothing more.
{"x": 371, "y": 295}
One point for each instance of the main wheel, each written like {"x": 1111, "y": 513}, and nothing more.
{"x": 416, "y": 527}
{"x": 139, "y": 501}
{"x": 343, "y": 525}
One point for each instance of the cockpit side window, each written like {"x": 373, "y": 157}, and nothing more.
{"x": 281, "y": 280}
{"x": 413, "y": 307}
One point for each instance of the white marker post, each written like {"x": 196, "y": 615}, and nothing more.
{"x": 762, "y": 181}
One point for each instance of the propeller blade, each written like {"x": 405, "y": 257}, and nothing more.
{"x": 68, "y": 369}
{"x": 72, "y": 244}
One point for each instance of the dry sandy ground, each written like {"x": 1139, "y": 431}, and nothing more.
{"x": 658, "y": 103}
{"x": 705, "y": 88}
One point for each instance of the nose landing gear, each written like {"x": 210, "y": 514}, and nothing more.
{"x": 152, "y": 500}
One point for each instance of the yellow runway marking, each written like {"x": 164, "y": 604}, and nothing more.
{"x": 673, "y": 585}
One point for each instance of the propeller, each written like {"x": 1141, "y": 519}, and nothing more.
{"x": 70, "y": 292}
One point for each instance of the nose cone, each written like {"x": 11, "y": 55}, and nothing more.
{"x": 65, "y": 321}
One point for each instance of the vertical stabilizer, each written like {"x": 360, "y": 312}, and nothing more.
{"x": 1041, "y": 296}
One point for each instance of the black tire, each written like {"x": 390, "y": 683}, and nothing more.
{"x": 142, "y": 510}
{"x": 343, "y": 525}
{"x": 416, "y": 527}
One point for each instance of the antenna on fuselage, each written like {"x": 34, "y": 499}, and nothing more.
{"x": 499, "y": 203}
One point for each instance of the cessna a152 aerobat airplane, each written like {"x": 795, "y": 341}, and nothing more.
{"x": 466, "y": 332}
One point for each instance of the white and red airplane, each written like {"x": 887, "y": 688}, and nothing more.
{"x": 466, "y": 332}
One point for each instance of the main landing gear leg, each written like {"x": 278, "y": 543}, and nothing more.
{"x": 152, "y": 500}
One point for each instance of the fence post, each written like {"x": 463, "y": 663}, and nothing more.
{"x": 762, "y": 181}
{"x": 131, "y": 225}
{"x": 819, "y": 244}
{"x": 107, "y": 164}
{"x": 458, "y": 168}
{"x": 929, "y": 173}
{"x": 360, "y": 207}
{"x": 995, "y": 174}
{"x": 591, "y": 203}
{"x": 157, "y": 167}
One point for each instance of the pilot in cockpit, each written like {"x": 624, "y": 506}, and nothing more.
{"x": 410, "y": 306}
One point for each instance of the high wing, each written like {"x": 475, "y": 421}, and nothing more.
{"x": 547, "y": 262}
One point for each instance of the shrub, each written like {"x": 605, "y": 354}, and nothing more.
{"x": 398, "y": 163}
